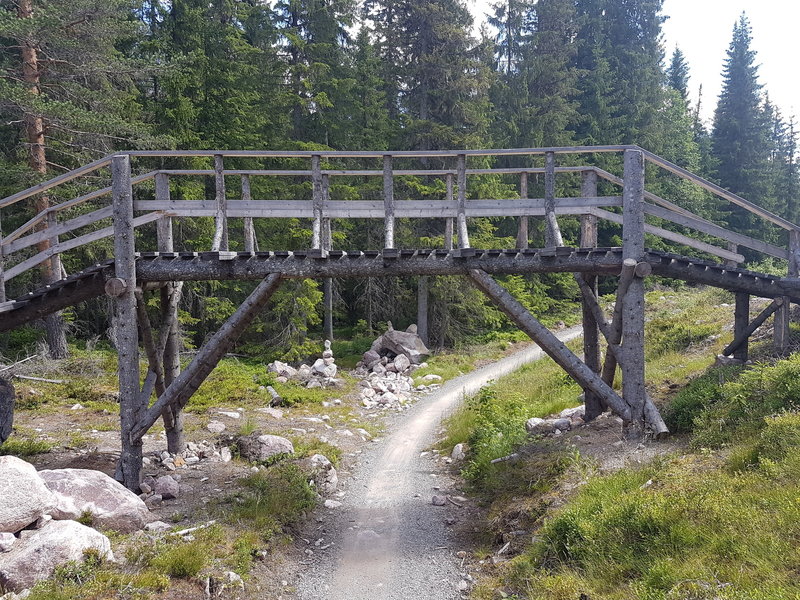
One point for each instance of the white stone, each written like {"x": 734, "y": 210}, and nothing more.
{"x": 80, "y": 491}
{"x": 573, "y": 413}
{"x": 332, "y": 504}
{"x": 263, "y": 447}
{"x": 458, "y": 452}
{"x": 24, "y": 497}
{"x": 6, "y": 541}
{"x": 431, "y": 377}
{"x": 326, "y": 480}
{"x": 232, "y": 414}
{"x": 37, "y": 554}
{"x": 401, "y": 363}
{"x": 215, "y": 426}
{"x": 157, "y": 526}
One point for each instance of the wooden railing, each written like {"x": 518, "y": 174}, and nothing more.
{"x": 455, "y": 208}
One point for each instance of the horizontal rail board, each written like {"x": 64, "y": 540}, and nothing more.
{"x": 82, "y": 240}
{"x": 673, "y": 237}
{"x": 59, "y": 229}
{"x": 373, "y": 172}
{"x": 374, "y": 209}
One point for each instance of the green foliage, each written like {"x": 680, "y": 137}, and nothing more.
{"x": 667, "y": 334}
{"x": 24, "y": 447}
{"x": 174, "y": 557}
{"x": 696, "y": 396}
{"x": 272, "y": 499}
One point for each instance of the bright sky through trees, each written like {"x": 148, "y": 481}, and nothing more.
{"x": 702, "y": 29}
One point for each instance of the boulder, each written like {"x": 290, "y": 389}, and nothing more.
{"x": 35, "y": 556}
{"x": 166, "y": 487}
{"x": 6, "y": 541}
{"x": 395, "y": 343}
{"x": 432, "y": 377}
{"x": 281, "y": 369}
{"x": 562, "y": 424}
{"x": 7, "y": 398}
{"x": 258, "y": 447}
{"x": 322, "y": 471}
{"x": 401, "y": 363}
{"x": 78, "y": 491}
{"x": 24, "y": 497}
{"x": 458, "y": 452}
{"x": 304, "y": 373}
{"x": 573, "y": 413}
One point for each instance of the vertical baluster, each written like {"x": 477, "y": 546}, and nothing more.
{"x": 448, "y": 222}
{"x": 249, "y": 230}
{"x": 522, "y": 226}
{"x": 463, "y": 234}
{"x": 221, "y": 224}
{"x": 388, "y": 202}
{"x": 316, "y": 191}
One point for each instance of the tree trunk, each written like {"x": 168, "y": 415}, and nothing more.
{"x": 34, "y": 133}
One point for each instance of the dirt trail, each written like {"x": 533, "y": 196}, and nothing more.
{"x": 387, "y": 542}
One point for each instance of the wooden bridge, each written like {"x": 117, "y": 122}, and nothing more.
{"x": 144, "y": 200}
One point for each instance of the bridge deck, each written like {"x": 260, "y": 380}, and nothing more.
{"x": 156, "y": 267}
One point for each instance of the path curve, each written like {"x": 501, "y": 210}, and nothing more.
{"x": 388, "y": 542}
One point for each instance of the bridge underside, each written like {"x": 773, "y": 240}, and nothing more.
{"x": 154, "y": 268}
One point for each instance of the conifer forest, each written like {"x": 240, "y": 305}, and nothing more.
{"x": 81, "y": 79}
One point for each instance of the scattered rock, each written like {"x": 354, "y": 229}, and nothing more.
{"x": 332, "y": 504}
{"x": 7, "y": 400}
{"x": 157, "y": 526}
{"x": 282, "y": 369}
{"x": 259, "y": 447}
{"x": 216, "y": 426}
{"x": 272, "y": 412}
{"x": 225, "y": 454}
{"x": 24, "y": 497}
{"x": 401, "y": 363}
{"x": 37, "y": 553}
{"x": 573, "y": 413}
{"x": 166, "y": 487}
{"x": 458, "y": 452}
{"x": 323, "y": 474}
{"x": 439, "y": 500}
{"x": 153, "y": 501}
{"x": 432, "y": 377}
{"x": 231, "y": 414}
{"x": 562, "y": 424}
{"x": 78, "y": 491}
{"x": 536, "y": 425}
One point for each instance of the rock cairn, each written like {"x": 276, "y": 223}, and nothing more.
{"x": 322, "y": 374}
{"x": 386, "y": 370}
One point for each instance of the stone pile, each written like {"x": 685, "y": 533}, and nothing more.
{"x": 566, "y": 420}
{"x": 38, "y": 530}
{"x": 195, "y": 453}
{"x": 322, "y": 374}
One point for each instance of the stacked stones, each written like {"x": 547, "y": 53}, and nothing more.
{"x": 322, "y": 374}
{"x": 566, "y": 420}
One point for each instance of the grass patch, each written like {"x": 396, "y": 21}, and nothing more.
{"x": 272, "y": 499}
{"x": 15, "y": 446}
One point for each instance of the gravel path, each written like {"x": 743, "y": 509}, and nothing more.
{"x": 387, "y": 541}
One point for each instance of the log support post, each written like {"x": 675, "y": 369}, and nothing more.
{"x": 2, "y": 270}
{"x": 554, "y": 347}
{"x": 461, "y": 218}
{"x": 131, "y": 400}
{"x": 221, "y": 220}
{"x": 388, "y": 202}
{"x": 249, "y": 230}
{"x": 741, "y": 337}
{"x": 552, "y": 231}
{"x": 782, "y": 315}
{"x": 522, "y": 226}
{"x": 327, "y": 283}
{"x": 448, "y": 222}
{"x": 633, "y": 365}
{"x": 591, "y": 337}
{"x": 164, "y": 358}
{"x": 422, "y": 309}
{"x": 741, "y": 320}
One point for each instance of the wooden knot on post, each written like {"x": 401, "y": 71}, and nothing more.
{"x": 115, "y": 287}
{"x": 643, "y": 269}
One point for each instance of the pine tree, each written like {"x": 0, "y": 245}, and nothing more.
{"x": 678, "y": 74}
{"x": 740, "y": 135}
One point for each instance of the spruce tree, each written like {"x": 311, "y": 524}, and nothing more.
{"x": 678, "y": 74}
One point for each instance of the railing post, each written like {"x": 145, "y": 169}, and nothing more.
{"x": 591, "y": 333}
{"x": 461, "y": 219}
{"x": 448, "y": 222}
{"x": 552, "y": 231}
{"x": 327, "y": 283}
{"x": 221, "y": 224}
{"x": 316, "y": 197}
{"x": 249, "y": 230}
{"x": 131, "y": 401}
{"x": 522, "y": 226}
{"x": 388, "y": 202}
{"x": 632, "y": 363}
{"x": 164, "y": 224}
{"x": 55, "y": 260}
{"x": 741, "y": 319}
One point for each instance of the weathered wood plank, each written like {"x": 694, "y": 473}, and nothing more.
{"x": 549, "y": 342}
{"x": 461, "y": 216}
{"x": 388, "y": 203}
{"x": 74, "y": 243}
{"x": 51, "y": 183}
{"x": 552, "y": 231}
{"x": 673, "y": 237}
{"x": 522, "y": 226}
{"x": 54, "y": 230}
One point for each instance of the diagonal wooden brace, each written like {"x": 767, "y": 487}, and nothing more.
{"x": 178, "y": 393}
{"x": 554, "y": 347}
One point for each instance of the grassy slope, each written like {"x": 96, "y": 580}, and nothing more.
{"x": 718, "y": 522}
